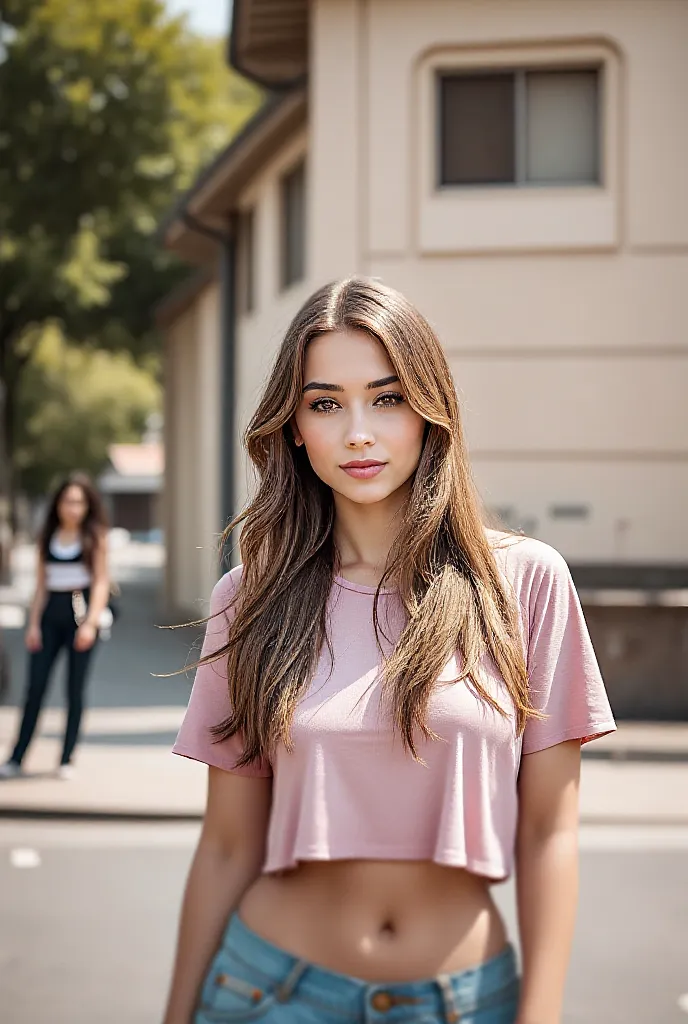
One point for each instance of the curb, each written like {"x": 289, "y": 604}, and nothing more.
{"x": 167, "y": 817}
{"x": 631, "y": 820}
{"x": 73, "y": 814}
{"x": 637, "y": 755}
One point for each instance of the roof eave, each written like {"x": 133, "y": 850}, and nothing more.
{"x": 212, "y": 198}
{"x": 268, "y": 42}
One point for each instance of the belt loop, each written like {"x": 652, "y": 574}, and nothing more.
{"x": 451, "y": 1014}
{"x": 285, "y": 989}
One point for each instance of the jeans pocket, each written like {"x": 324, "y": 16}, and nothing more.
{"x": 233, "y": 993}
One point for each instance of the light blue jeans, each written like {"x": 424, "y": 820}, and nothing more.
{"x": 252, "y": 980}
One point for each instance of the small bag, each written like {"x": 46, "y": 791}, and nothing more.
{"x": 108, "y": 616}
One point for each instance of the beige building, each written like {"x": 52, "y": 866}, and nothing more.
{"x": 519, "y": 171}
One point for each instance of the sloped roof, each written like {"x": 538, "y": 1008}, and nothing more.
{"x": 211, "y": 198}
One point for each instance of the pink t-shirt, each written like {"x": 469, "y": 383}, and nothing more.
{"x": 350, "y": 790}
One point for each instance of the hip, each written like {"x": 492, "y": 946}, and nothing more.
{"x": 252, "y": 979}
{"x": 59, "y": 608}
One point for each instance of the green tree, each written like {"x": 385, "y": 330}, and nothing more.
{"x": 74, "y": 402}
{"x": 107, "y": 109}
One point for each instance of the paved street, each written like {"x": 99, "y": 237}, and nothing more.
{"x": 87, "y": 928}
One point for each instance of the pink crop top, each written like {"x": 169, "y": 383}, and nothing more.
{"x": 349, "y": 789}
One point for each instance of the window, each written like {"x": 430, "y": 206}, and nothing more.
{"x": 293, "y": 202}
{"x": 519, "y": 128}
{"x": 246, "y": 254}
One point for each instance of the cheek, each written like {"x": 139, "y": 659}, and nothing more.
{"x": 406, "y": 438}
{"x": 318, "y": 437}
{"x": 320, "y": 452}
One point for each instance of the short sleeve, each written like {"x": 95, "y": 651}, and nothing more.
{"x": 565, "y": 680}
{"x": 209, "y": 702}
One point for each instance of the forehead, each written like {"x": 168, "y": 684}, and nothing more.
{"x": 73, "y": 493}
{"x": 339, "y": 356}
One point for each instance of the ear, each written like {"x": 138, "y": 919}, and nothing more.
{"x": 298, "y": 440}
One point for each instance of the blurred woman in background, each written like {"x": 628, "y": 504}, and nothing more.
{"x": 72, "y": 592}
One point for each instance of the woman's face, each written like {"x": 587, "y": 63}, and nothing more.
{"x": 72, "y": 507}
{"x": 362, "y": 437}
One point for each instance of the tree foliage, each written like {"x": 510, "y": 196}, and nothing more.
{"x": 74, "y": 402}
{"x": 108, "y": 108}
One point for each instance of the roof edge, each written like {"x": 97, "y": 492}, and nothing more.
{"x": 257, "y": 47}
{"x": 233, "y": 167}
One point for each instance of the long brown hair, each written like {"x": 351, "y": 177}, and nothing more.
{"x": 441, "y": 563}
{"x": 93, "y": 526}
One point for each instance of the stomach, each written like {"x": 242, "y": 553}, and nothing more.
{"x": 381, "y": 921}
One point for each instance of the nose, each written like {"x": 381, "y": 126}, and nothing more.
{"x": 359, "y": 433}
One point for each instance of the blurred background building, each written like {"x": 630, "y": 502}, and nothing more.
{"x": 131, "y": 483}
{"x": 517, "y": 170}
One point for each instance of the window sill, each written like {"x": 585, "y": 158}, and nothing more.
{"x": 474, "y": 219}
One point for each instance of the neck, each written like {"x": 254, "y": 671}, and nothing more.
{"x": 69, "y": 532}
{"x": 364, "y": 535}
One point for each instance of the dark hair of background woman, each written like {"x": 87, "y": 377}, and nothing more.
{"x": 93, "y": 526}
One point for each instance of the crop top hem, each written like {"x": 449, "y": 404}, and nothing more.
{"x": 585, "y": 733}
{"x": 447, "y": 858}
{"x": 218, "y": 762}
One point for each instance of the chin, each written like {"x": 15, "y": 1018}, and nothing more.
{"x": 364, "y": 494}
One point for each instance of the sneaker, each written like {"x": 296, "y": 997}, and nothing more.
{"x": 10, "y": 770}
{"x": 65, "y": 772}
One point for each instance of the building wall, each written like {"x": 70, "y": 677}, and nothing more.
{"x": 563, "y": 311}
{"x": 192, "y": 443}
{"x": 260, "y": 332}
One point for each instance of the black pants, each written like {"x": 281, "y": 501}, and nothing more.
{"x": 58, "y": 628}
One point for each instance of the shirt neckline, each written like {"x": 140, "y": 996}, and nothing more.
{"x": 57, "y": 545}
{"x": 360, "y": 588}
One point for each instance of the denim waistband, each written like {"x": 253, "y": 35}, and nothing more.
{"x": 449, "y": 996}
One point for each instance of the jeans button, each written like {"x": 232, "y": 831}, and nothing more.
{"x": 382, "y": 1002}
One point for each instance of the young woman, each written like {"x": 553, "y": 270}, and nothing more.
{"x": 72, "y": 560}
{"x": 391, "y": 699}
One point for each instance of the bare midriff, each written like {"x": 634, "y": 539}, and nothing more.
{"x": 378, "y": 920}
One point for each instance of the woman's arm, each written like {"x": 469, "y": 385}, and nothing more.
{"x": 100, "y": 584}
{"x": 33, "y": 639}
{"x": 100, "y": 595}
{"x": 547, "y": 876}
{"x": 228, "y": 859}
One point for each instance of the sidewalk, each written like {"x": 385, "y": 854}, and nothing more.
{"x": 124, "y": 764}
{"x": 125, "y": 769}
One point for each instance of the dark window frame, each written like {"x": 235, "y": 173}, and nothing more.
{"x": 247, "y": 258}
{"x": 293, "y": 253}
{"x": 520, "y": 115}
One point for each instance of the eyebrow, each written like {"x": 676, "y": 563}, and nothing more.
{"x": 316, "y": 385}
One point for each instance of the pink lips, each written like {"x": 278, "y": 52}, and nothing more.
{"x": 363, "y": 469}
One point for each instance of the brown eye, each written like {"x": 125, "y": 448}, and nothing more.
{"x": 324, "y": 405}
{"x": 389, "y": 399}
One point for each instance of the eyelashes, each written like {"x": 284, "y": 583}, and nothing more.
{"x": 389, "y": 400}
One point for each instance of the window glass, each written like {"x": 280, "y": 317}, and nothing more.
{"x": 246, "y": 261}
{"x": 519, "y": 127}
{"x": 293, "y": 226}
{"x": 477, "y": 129}
{"x": 562, "y": 126}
